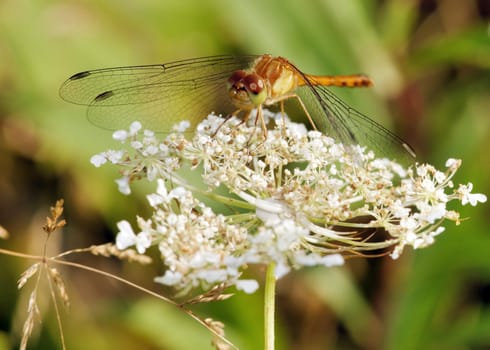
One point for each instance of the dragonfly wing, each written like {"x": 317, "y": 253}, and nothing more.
{"x": 159, "y": 106}
{"x": 156, "y": 95}
{"x": 335, "y": 118}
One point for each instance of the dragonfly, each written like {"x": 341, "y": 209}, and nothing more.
{"x": 161, "y": 95}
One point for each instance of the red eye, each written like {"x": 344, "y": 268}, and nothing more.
{"x": 236, "y": 77}
{"x": 254, "y": 83}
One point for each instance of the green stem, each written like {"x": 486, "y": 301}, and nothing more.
{"x": 269, "y": 306}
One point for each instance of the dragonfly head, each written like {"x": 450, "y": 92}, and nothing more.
{"x": 246, "y": 90}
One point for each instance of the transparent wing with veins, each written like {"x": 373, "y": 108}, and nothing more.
{"x": 335, "y": 118}
{"x": 158, "y": 96}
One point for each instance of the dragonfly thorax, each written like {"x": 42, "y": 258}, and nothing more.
{"x": 281, "y": 76}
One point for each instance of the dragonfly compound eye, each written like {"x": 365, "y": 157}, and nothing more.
{"x": 235, "y": 80}
{"x": 246, "y": 90}
{"x": 256, "y": 89}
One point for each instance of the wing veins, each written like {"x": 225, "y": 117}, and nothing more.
{"x": 353, "y": 127}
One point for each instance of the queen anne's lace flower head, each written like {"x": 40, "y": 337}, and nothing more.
{"x": 296, "y": 198}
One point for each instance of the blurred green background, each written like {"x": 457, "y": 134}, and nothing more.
{"x": 430, "y": 63}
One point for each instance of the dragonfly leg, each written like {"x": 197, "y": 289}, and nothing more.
{"x": 283, "y": 116}
{"x": 228, "y": 117}
{"x": 283, "y": 98}
{"x": 260, "y": 116}
{"x": 310, "y": 119}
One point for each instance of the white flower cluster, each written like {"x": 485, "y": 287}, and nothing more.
{"x": 295, "y": 198}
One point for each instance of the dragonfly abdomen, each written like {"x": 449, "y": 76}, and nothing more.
{"x": 355, "y": 80}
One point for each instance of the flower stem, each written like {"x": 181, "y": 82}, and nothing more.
{"x": 269, "y": 306}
